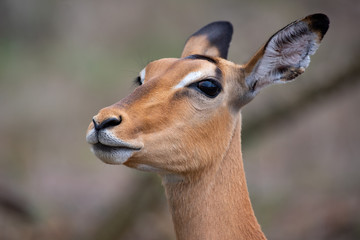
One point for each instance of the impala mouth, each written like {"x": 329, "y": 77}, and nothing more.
{"x": 109, "y": 148}
{"x": 106, "y": 148}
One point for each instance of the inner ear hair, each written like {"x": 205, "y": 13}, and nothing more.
{"x": 286, "y": 54}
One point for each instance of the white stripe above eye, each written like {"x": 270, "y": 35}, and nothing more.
{"x": 191, "y": 77}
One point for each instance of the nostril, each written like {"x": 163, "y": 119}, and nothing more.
{"x": 96, "y": 126}
{"x": 110, "y": 122}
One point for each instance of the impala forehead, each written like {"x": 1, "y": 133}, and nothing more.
{"x": 181, "y": 72}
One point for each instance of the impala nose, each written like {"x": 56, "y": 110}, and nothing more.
{"x": 108, "y": 122}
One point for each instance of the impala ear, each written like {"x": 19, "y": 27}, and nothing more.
{"x": 287, "y": 52}
{"x": 211, "y": 40}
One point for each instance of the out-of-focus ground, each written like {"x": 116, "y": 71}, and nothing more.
{"x": 61, "y": 61}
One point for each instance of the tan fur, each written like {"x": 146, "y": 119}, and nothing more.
{"x": 215, "y": 205}
{"x": 194, "y": 141}
{"x": 191, "y": 140}
{"x": 199, "y": 45}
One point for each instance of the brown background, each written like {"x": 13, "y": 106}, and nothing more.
{"x": 61, "y": 61}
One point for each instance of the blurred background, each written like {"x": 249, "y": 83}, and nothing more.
{"x": 62, "y": 61}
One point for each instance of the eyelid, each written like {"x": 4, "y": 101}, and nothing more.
{"x": 195, "y": 76}
{"x": 213, "y": 79}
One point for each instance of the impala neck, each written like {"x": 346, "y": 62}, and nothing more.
{"x": 216, "y": 206}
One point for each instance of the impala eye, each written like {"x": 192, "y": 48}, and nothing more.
{"x": 210, "y": 88}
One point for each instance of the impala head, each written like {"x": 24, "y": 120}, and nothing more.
{"x": 181, "y": 117}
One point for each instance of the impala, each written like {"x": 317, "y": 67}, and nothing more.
{"x": 183, "y": 122}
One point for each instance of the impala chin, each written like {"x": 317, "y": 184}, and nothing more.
{"x": 112, "y": 155}
{"x": 110, "y": 149}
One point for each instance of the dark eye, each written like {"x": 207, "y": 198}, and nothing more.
{"x": 209, "y": 87}
{"x": 137, "y": 81}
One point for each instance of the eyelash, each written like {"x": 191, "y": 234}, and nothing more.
{"x": 138, "y": 81}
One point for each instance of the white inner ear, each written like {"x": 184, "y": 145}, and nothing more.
{"x": 289, "y": 48}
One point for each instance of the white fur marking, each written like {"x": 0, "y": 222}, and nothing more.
{"x": 91, "y": 137}
{"x": 191, "y": 77}
{"x": 172, "y": 178}
{"x": 117, "y": 151}
{"x": 142, "y": 75}
{"x": 167, "y": 177}
{"x": 113, "y": 156}
{"x": 107, "y": 138}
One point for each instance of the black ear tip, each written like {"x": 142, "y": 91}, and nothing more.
{"x": 225, "y": 26}
{"x": 319, "y": 22}
{"x": 218, "y": 34}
